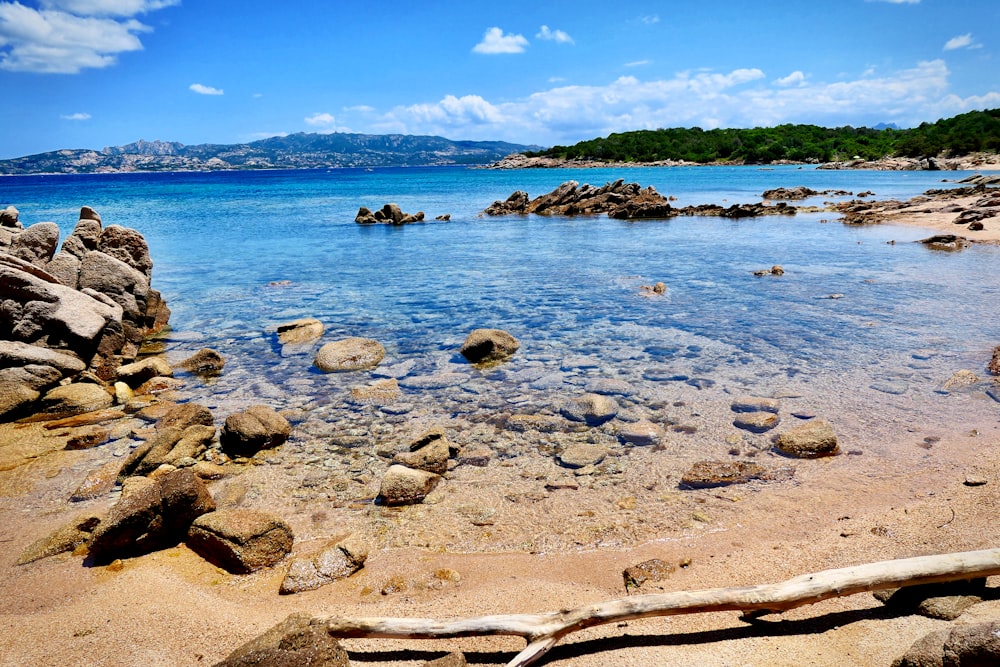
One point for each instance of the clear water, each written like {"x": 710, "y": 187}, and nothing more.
{"x": 872, "y": 361}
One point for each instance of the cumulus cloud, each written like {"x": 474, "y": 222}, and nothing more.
{"x": 67, "y": 36}
{"x": 961, "y": 42}
{"x": 796, "y": 78}
{"x": 739, "y": 98}
{"x": 320, "y": 119}
{"x": 557, "y": 36}
{"x": 107, "y": 7}
{"x": 205, "y": 90}
{"x": 495, "y": 41}
{"x": 76, "y": 116}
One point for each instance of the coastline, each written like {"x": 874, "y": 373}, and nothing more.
{"x": 171, "y": 607}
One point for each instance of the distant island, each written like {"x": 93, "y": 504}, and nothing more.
{"x": 295, "y": 151}
{"x": 973, "y": 132}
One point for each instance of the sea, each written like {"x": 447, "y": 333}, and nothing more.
{"x": 863, "y": 329}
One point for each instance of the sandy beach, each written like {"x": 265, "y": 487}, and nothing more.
{"x": 930, "y": 487}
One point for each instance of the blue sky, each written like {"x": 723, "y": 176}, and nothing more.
{"x": 95, "y": 73}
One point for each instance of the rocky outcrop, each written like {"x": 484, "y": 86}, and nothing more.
{"x": 622, "y": 201}
{"x": 90, "y": 301}
{"x": 489, "y": 346}
{"x": 389, "y": 214}
{"x": 151, "y": 515}
{"x": 240, "y": 541}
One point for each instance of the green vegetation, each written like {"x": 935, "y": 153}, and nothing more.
{"x": 967, "y": 133}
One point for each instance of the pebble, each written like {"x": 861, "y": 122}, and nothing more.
{"x": 756, "y": 422}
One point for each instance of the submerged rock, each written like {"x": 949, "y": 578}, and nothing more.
{"x": 489, "y": 346}
{"x": 813, "y": 439}
{"x": 592, "y": 409}
{"x": 256, "y": 428}
{"x": 300, "y": 332}
{"x": 349, "y": 354}
{"x": 404, "y": 486}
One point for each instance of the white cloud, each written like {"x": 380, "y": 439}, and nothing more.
{"x": 205, "y": 90}
{"x": 961, "y": 42}
{"x": 360, "y": 108}
{"x": 320, "y": 119}
{"x": 56, "y": 42}
{"x": 652, "y": 19}
{"x": 796, "y": 78}
{"x": 638, "y": 63}
{"x": 67, "y": 36}
{"x": 107, "y": 7}
{"x": 76, "y": 116}
{"x": 495, "y": 41}
{"x": 739, "y": 98}
{"x": 557, "y": 36}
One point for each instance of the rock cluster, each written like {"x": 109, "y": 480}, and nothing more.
{"x": 622, "y": 201}
{"x": 390, "y": 214}
{"x": 85, "y": 307}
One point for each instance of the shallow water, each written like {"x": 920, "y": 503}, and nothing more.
{"x": 872, "y": 360}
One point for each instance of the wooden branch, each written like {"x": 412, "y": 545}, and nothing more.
{"x": 543, "y": 631}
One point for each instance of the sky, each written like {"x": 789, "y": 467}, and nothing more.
{"x": 96, "y": 73}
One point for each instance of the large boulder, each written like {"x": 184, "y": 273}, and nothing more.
{"x": 349, "y": 354}
{"x": 154, "y": 516}
{"x": 298, "y": 641}
{"x": 813, "y": 439}
{"x": 125, "y": 285}
{"x": 489, "y": 346}
{"x": 256, "y": 428}
{"x": 168, "y": 446}
{"x": 126, "y": 245}
{"x": 36, "y": 244}
{"x": 74, "y": 399}
{"x": 137, "y": 372}
{"x": 9, "y": 218}
{"x": 240, "y": 540}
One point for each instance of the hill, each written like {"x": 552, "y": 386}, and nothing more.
{"x": 976, "y": 131}
{"x": 295, "y": 151}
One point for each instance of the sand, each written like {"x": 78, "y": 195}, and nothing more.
{"x": 935, "y": 495}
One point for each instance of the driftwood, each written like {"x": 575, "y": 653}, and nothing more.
{"x": 543, "y": 631}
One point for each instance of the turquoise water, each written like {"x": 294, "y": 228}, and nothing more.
{"x": 569, "y": 289}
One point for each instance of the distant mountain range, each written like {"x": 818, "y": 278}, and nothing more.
{"x": 295, "y": 151}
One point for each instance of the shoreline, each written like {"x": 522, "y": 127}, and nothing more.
{"x": 909, "y": 495}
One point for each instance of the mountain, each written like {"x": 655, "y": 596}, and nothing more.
{"x": 295, "y": 151}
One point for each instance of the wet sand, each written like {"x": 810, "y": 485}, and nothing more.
{"x": 899, "y": 493}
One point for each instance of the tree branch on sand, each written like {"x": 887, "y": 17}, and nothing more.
{"x": 543, "y": 631}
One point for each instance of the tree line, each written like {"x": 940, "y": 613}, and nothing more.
{"x": 976, "y": 131}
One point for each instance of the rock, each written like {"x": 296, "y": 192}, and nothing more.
{"x": 592, "y": 409}
{"x": 152, "y": 515}
{"x": 97, "y": 482}
{"x": 581, "y": 454}
{"x": 709, "y": 474}
{"x": 405, "y": 486}
{"x": 973, "y": 645}
{"x": 540, "y": 423}
{"x": 36, "y": 244}
{"x": 755, "y": 404}
{"x": 365, "y": 216}
{"x": 128, "y": 246}
{"x": 205, "y": 362}
{"x": 167, "y": 447}
{"x": 455, "y": 659}
{"x": 74, "y": 399}
{"x": 9, "y": 218}
{"x": 994, "y": 366}
{"x": 349, "y": 354}
{"x": 610, "y": 387}
{"x": 241, "y": 540}
{"x": 338, "y": 560}
{"x": 298, "y": 641}
{"x": 88, "y": 213}
{"x": 380, "y": 392}
{"x": 475, "y": 456}
{"x": 489, "y": 346}
{"x": 256, "y": 428}
{"x": 84, "y": 238}
{"x": 653, "y": 570}
{"x": 88, "y": 438}
{"x": 65, "y": 267}
{"x": 812, "y": 439}
{"x": 184, "y": 415}
{"x": 945, "y": 242}
{"x": 136, "y": 373}
{"x": 775, "y": 270}
{"x": 798, "y": 192}
{"x": 962, "y": 378}
{"x": 756, "y": 422}
{"x": 67, "y": 538}
{"x": 429, "y": 452}
{"x": 301, "y": 331}
{"x": 125, "y": 285}
{"x": 515, "y": 203}
{"x": 641, "y": 433}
